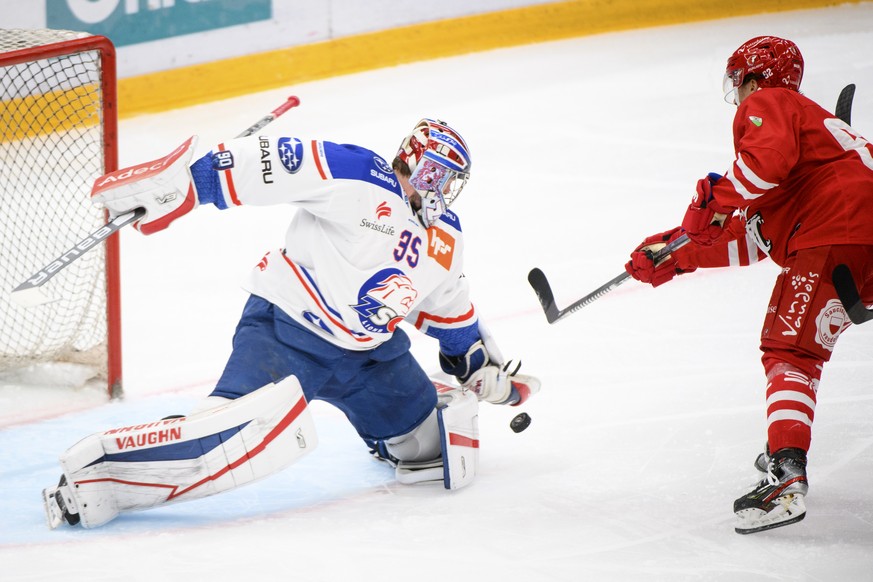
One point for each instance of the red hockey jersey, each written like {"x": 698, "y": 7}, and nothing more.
{"x": 737, "y": 249}
{"x": 802, "y": 178}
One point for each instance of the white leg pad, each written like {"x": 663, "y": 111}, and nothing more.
{"x": 458, "y": 415}
{"x": 139, "y": 467}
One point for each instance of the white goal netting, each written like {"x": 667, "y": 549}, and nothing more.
{"x": 53, "y": 115}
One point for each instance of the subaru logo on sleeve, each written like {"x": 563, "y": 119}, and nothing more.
{"x": 290, "y": 153}
{"x": 382, "y": 165}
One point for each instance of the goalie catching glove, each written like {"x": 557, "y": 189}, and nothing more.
{"x": 490, "y": 381}
{"x": 163, "y": 188}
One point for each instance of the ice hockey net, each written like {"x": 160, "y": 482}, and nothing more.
{"x": 58, "y": 128}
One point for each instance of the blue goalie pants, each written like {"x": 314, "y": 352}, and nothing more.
{"x": 384, "y": 392}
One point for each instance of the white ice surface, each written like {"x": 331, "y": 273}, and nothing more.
{"x": 652, "y": 409}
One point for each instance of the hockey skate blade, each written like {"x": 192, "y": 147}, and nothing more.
{"x": 31, "y": 297}
{"x": 788, "y": 509}
{"x": 54, "y": 515}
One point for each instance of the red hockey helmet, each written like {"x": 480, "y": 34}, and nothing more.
{"x": 774, "y": 62}
{"x": 440, "y": 162}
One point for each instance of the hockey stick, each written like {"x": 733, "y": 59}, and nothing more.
{"x": 842, "y": 278}
{"x": 290, "y": 103}
{"x": 844, "y": 103}
{"x": 540, "y": 284}
{"x": 30, "y": 292}
{"x": 847, "y": 291}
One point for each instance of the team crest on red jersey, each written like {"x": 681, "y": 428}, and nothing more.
{"x": 830, "y": 323}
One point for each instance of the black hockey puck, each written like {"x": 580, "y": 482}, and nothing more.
{"x": 520, "y": 422}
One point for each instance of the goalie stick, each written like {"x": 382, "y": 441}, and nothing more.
{"x": 290, "y": 103}
{"x": 845, "y": 287}
{"x": 30, "y": 292}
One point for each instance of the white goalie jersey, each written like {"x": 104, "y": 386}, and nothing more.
{"x": 356, "y": 260}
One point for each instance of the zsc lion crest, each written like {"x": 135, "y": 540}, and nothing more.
{"x": 384, "y": 300}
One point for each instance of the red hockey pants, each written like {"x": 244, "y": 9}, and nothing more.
{"x": 804, "y": 320}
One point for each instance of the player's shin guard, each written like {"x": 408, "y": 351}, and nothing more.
{"x": 458, "y": 420}
{"x": 791, "y": 400}
{"x": 177, "y": 459}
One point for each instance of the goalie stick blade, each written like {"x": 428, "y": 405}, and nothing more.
{"x": 31, "y": 297}
{"x": 29, "y": 294}
{"x": 541, "y": 287}
{"x": 844, "y": 104}
{"x": 847, "y": 291}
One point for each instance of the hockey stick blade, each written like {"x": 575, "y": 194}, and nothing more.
{"x": 30, "y": 293}
{"x": 541, "y": 287}
{"x": 847, "y": 291}
{"x": 844, "y": 104}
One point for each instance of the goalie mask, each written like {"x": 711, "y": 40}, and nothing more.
{"x": 773, "y": 61}
{"x": 439, "y": 163}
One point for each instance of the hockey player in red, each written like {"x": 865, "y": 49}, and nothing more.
{"x": 799, "y": 187}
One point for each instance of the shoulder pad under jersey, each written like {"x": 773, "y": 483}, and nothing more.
{"x": 452, "y": 219}
{"x": 351, "y": 162}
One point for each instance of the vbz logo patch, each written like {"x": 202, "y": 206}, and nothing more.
{"x": 441, "y": 247}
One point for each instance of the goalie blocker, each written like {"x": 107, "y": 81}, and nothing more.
{"x": 176, "y": 459}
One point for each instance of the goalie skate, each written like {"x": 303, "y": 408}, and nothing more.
{"x": 60, "y": 507}
{"x": 778, "y": 500}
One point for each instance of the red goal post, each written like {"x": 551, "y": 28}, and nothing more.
{"x": 58, "y": 132}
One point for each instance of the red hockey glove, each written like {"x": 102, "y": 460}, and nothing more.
{"x": 643, "y": 268}
{"x": 705, "y": 219}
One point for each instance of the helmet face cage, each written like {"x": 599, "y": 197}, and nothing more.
{"x": 440, "y": 163}
{"x": 775, "y": 62}
{"x": 433, "y": 205}
{"x": 733, "y": 79}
